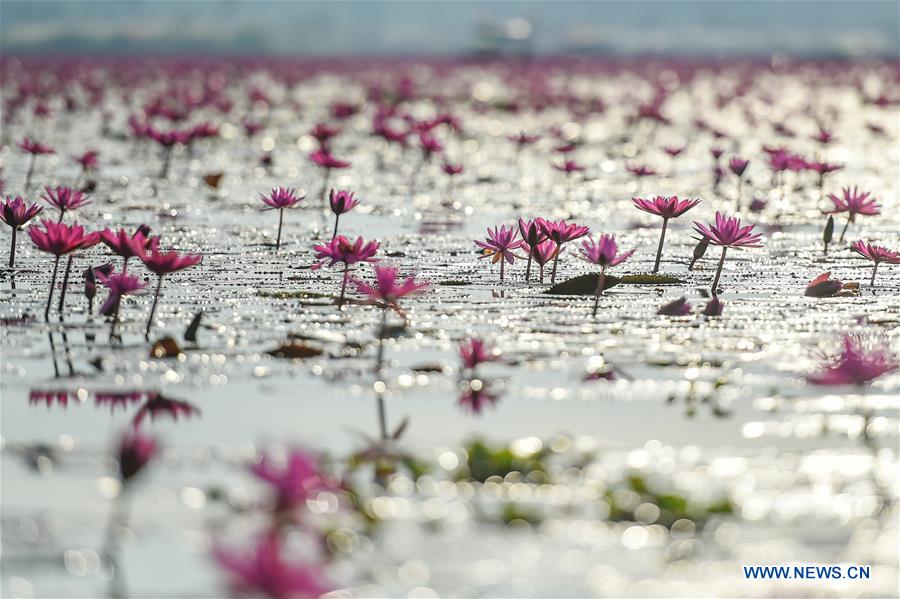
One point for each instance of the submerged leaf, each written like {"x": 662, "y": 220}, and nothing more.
{"x": 190, "y": 334}
{"x": 295, "y": 351}
{"x": 587, "y": 284}
{"x": 829, "y": 230}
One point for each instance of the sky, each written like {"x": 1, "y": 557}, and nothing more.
{"x": 394, "y": 28}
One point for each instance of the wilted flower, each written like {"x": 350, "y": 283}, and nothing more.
{"x": 876, "y": 253}
{"x": 823, "y": 286}
{"x": 679, "y": 307}
{"x": 714, "y": 307}
{"x": 543, "y": 252}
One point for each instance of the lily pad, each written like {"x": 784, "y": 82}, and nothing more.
{"x": 587, "y": 284}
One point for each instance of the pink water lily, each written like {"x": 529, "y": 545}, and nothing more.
{"x": 60, "y": 239}
{"x": 876, "y": 253}
{"x": 264, "y": 572}
{"x": 161, "y": 264}
{"x": 342, "y": 250}
{"x": 341, "y": 201}
{"x": 499, "y": 246}
{"x": 279, "y": 199}
{"x": 16, "y": 214}
{"x": 727, "y": 232}
{"x": 605, "y": 254}
{"x": 853, "y": 203}
{"x": 561, "y": 232}
{"x": 665, "y": 208}
{"x": 862, "y": 359}
{"x": 65, "y": 199}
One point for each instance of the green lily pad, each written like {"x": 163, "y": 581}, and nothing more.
{"x": 587, "y": 284}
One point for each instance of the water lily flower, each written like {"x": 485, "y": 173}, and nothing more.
{"x": 324, "y": 160}
{"x": 264, "y": 572}
{"x": 640, "y": 171}
{"x": 157, "y": 404}
{"x": 168, "y": 140}
{"x": 341, "y": 249}
{"x": 605, "y": 254}
{"x": 127, "y": 245}
{"x": 853, "y": 203}
{"x": 135, "y": 452}
{"x": 673, "y": 151}
{"x": 119, "y": 284}
{"x": 727, "y": 232}
{"x": 16, "y": 214}
{"x": 561, "y": 232}
{"x": 475, "y": 396}
{"x": 876, "y": 253}
{"x": 499, "y": 245}
{"x": 341, "y": 201}
{"x": 90, "y": 282}
{"x": 568, "y": 167}
{"x": 714, "y": 307}
{"x": 59, "y": 239}
{"x": 862, "y": 360}
{"x": 665, "y": 208}
{"x": 543, "y": 252}
{"x": 523, "y": 139}
{"x": 323, "y": 134}
{"x": 386, "y": 292}
{"x": 88, "y": 162}
{"x": 679, "y": 307}
{"x": 737, "y": 167}
{"x": 474, "y": 351}
{"x": 451, "y": 170}
{"x": 65, "y": 199}
{"x": 532, "y": 232}
{"x": 294, "y": 480}
{"x": 824, "y": 136}
{"x": 35, "y": 149}
{"x": 279, "y": 199}
{"x": 161, "y": 264}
